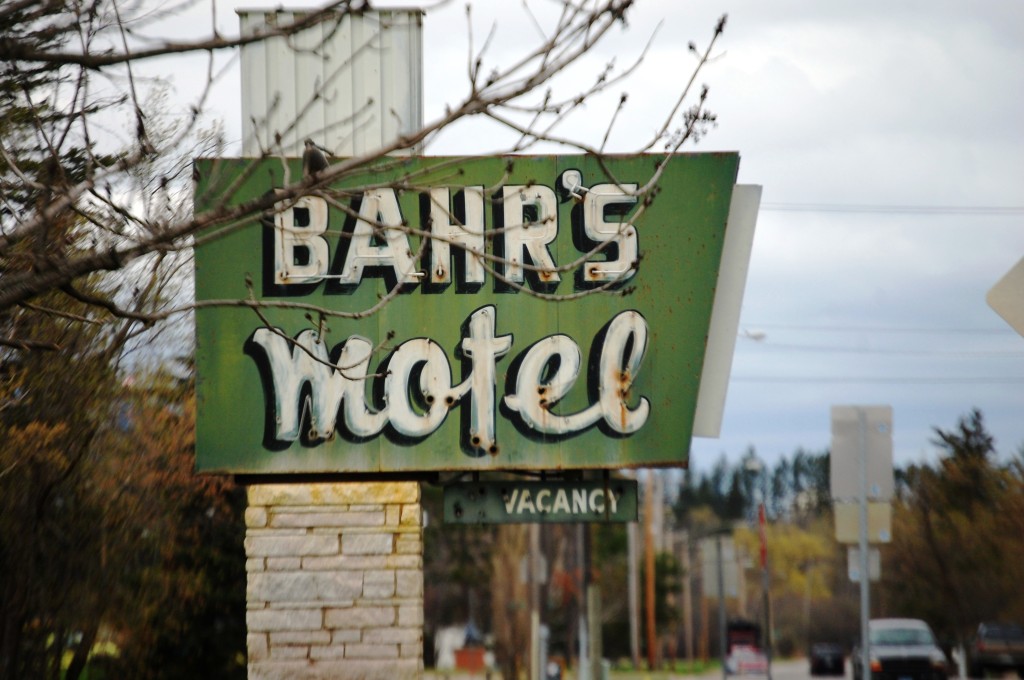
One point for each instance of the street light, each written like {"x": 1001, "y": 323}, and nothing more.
{"x": 753, "y": 465}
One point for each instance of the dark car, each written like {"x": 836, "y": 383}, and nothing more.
{"x": 827, "y": 659}
{"x": 902, "y": 649}
{"x": 997, "y": 647}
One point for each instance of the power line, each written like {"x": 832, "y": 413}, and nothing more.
{"x": 881, "y": 329}
{"x": 853, "y": 208}
{"x": 996, "y": 380}
{"x": 966, "y": 354}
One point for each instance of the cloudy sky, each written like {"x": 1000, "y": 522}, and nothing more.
{"x": 888, "y": 139}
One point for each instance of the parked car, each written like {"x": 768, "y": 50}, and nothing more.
{"x": 746, "y": 660}
{"x": 902, "y": 649}
{"x": 996, "y": 647}
{"x": 827, "y": 659}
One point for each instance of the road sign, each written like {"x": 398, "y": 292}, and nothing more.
{"x": 719, "y": 552}
{"x": 845, "y": 474}
{"x": 1007, "y": 297}
{"x": 847, "y": 517}
{"x": 853, "y": 564}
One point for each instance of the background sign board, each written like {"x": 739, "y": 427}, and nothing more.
{"x": 730, "y": 566}
{"x": 847, "y": 517}
{"x": 544, "y": 502}
{"x": 463, "y": 369}
{"x": 853, "y": 564}
{"x": 845, "y": 470}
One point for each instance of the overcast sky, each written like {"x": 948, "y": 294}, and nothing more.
{"x": 888, "y": 139}
{"x": 895, "y": 129}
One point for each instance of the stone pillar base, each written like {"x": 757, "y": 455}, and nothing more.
{"x": 335, "y": 581}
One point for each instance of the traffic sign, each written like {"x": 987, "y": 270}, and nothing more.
{"x": 848, "y": 447}
{"x": 847, "y": 516}
{"x": 1007, "y": 297}
{"x": 853, "y": 564}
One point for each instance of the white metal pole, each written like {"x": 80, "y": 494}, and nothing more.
{"x": 766, "y": 583}
{"x": 865, "y": 598}
{"x": 534, "y": 536}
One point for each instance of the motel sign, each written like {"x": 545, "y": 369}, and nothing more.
{"x": 459, "y": 314}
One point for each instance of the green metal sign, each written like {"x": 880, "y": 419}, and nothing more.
{"x": 545, "y": 502}
{"x": 501, "y": 313}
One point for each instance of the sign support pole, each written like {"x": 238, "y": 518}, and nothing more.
{"x": 865, "y": 593}
{"x": 583, "y": 672}
{"x": 305, "y": 606}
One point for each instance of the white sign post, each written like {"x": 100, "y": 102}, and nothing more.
{"x": 862, "y": 451}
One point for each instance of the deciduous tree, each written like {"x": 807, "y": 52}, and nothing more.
{"x": 957, "y": 547}
{"x": 96, "y": 231}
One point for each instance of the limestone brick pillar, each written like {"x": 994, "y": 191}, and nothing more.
{"x": 334, "y": 581}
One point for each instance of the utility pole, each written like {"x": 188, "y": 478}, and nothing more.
{"x": 633, "y": 593}
{"x": 687, "y": 597}
{"x": 583, "y": 663}
{"x": 534, "y": 576}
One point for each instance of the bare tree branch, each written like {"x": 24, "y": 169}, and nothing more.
{"x": 81, "y": 199}
{"x": 13, "y": 49}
